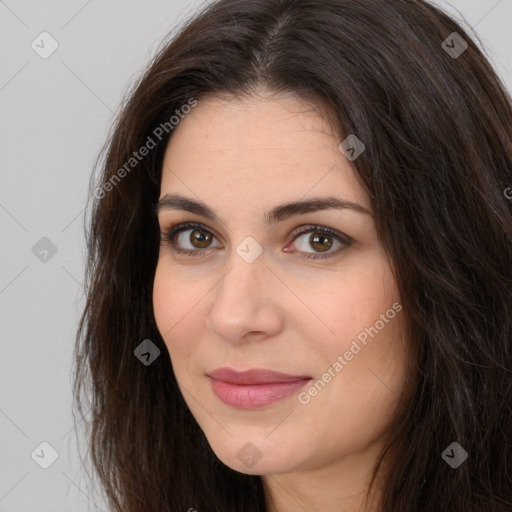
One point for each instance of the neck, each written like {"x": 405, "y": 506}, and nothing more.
{"x": 342, "y": 486}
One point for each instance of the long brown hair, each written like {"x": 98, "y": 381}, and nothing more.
{"x": 437, "y": 126}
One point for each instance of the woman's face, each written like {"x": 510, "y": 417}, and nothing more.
{"x": 249, "y": 294}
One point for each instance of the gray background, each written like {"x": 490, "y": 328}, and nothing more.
{"x": 55, "y": 114}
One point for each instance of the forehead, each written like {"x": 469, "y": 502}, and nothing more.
{"x": 256, "y": 147}
{"x": 261, "y": 123}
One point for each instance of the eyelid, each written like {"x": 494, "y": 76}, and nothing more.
{"x": 169, "y": 233}
{"x": 306, "y": 228}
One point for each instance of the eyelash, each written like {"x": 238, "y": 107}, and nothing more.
{"x": 168, "y": 236}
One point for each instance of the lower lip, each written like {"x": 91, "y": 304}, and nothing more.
{"x": 254, "y": 396}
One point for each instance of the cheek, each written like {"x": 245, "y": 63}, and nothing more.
{"x": 174, "y": 297}
{"x": 350, "y": 306}
{"x": 175, "y": 306}
{"x": 368, "y": 336}
{"x": 164, "y": 301}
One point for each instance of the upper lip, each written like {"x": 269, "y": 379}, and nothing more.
{"x": 254, "y": 376}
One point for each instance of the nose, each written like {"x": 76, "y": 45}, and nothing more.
{"x": 246, "y": 304}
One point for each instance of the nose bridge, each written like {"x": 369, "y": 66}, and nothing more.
{"x": 244, "y": 277}
{"x": 242, "y": 302}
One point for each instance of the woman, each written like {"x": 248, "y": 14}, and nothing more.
{"x": 300, "y": 268}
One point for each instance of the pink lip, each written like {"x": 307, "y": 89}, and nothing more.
{"x": 254, "y": 388}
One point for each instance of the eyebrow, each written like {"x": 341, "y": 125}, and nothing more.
{"x": 277, "y": 214}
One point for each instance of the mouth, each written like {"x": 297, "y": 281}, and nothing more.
{"x": 255, "y": 388}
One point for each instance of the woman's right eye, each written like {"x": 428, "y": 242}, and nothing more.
{"x": 195, "y": 235}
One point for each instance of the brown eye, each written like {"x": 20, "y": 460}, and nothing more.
{"x": 200, "y": 238}
{"x": 189, "y": 238}
{"x": 321, "y": 241}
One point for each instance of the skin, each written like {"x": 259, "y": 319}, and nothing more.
{"x": 243, "y": 156}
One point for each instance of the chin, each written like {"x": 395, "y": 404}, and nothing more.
{"x": 255, "y": 456}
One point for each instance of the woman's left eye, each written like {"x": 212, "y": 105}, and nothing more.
{"x": 320, "y": 238}
{"x": 323, "y": 239}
